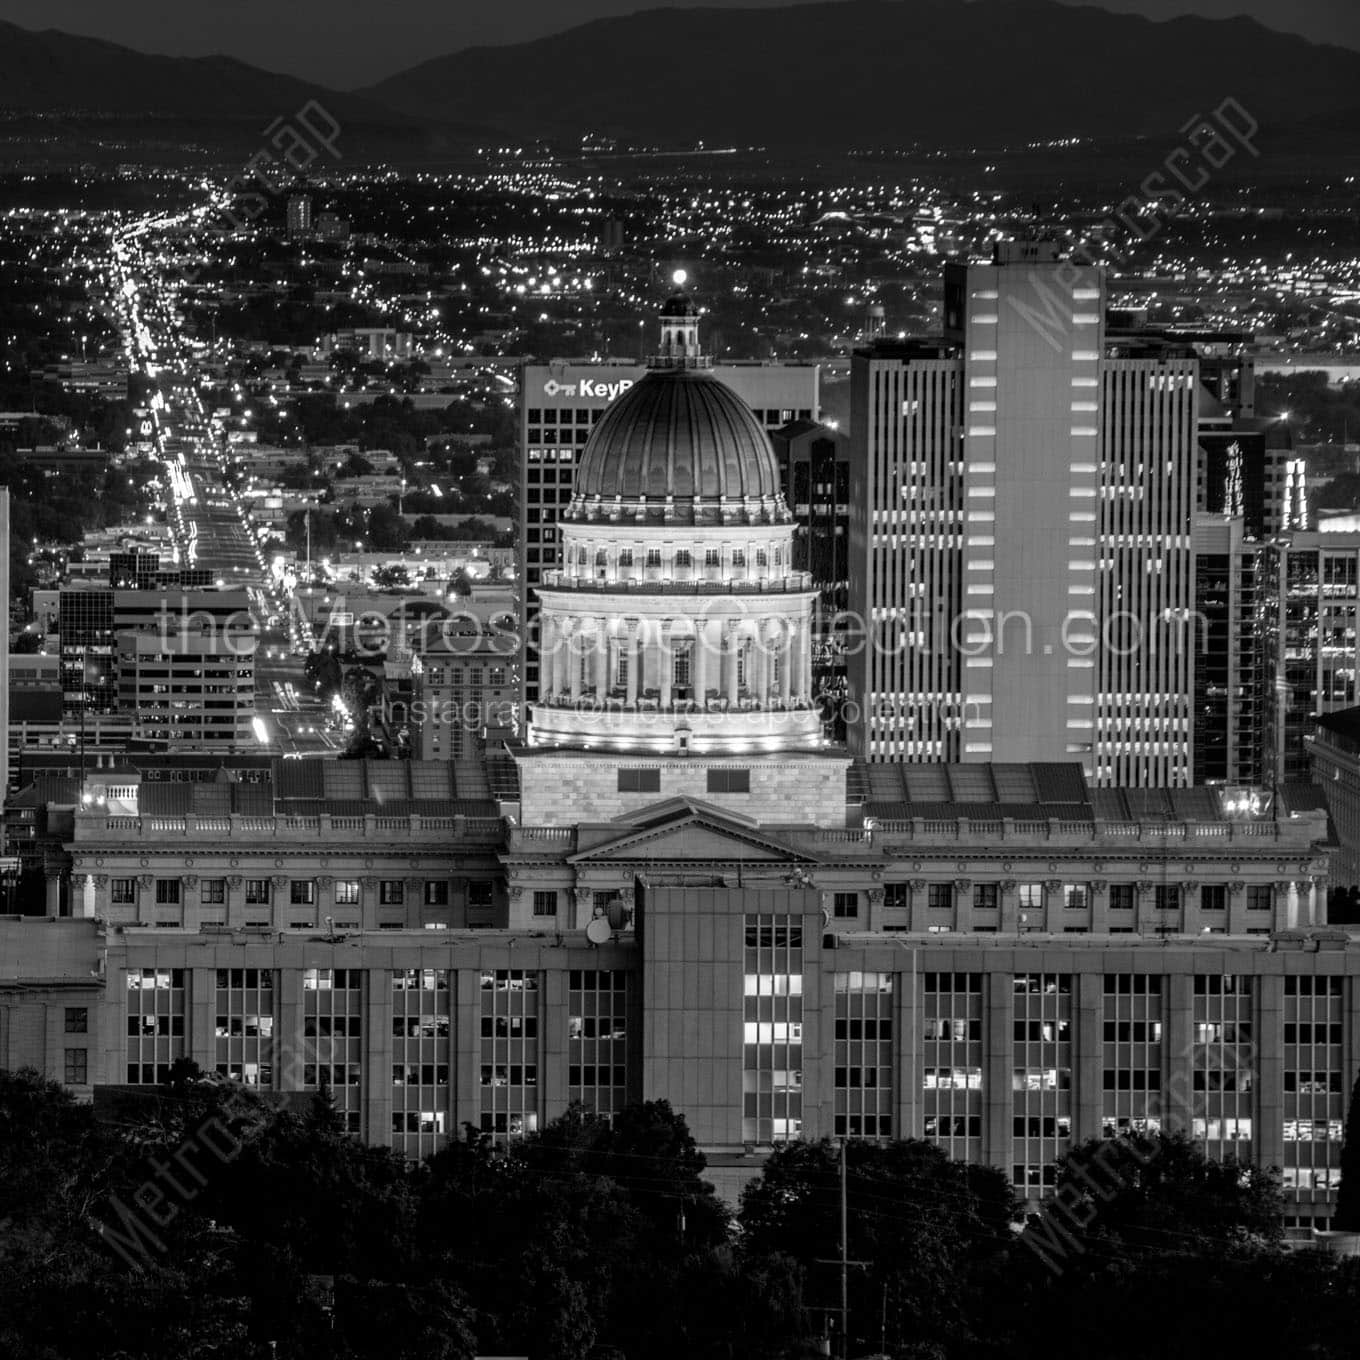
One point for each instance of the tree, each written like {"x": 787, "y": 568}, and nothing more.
{"x": 1347, "y": 1216}
{"x": 1156, "y": 1188}
{"x": 923, "y": 1223}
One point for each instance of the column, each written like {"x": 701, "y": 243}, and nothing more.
{"x": 1290, "y": 892}
{"x": 629, "y": 642}
{"x": 998, "y": 1129}
{"x": 917, "y": 889}
{"x": 572, "y": 659}
{"x": 666, "y": 661}
{"x": 1178, "y": 1016}
{"x": 805, "y": 657}
{"x": 1237, "y": 908}
{"x": 1009, "y": 911}
{"x": 963, "y": 904}
{"x": 760, "y": 659}
{"x": 601, "y": 658}
{"x": 200, "y": 1005}
{"x": 1100, "y": 907}
{"x": 553, "y": 1090}
{"x": 730, "y": 661}
{"x": 699, "y": 663}
{"x": 377, "y": 1068}
{"x": 786, "y": 654}
{"x": 52, "y": 895}
{"x": 465, "y": 1048}
{"x": 547, "y": 644}
{"x": 1267, "y": 1142}
{"x": 1088, "y": 1055}
{"x": 876, "y": 900}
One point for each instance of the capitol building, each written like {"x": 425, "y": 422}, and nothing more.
{"x": 675, "y": 887}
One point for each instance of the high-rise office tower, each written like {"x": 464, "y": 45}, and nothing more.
{"x": 1021, "y": 554}
{"x": 299, "y": 215}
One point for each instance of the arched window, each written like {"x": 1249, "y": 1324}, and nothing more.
{"x": 599, "y": 557}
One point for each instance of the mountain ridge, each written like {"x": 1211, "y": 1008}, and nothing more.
{"x": 859, "y": 71}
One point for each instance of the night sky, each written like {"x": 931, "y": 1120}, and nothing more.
{"x": 346, "y": 43}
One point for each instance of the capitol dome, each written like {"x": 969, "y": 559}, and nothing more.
{"x": 679, "y": 447}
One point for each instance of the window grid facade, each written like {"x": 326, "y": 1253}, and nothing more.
{"x": 952, "y": 1050}
{"x": 244, "y": 1041}
{"x": 1132, "y": 1054}
{"x": 597, "y": 1040}
{"x": 1041, "y": 1077}
{"x": 1314, "y": 1083}
{"x": 155, "y": 1023}
{"x": 864, "y": 1055}
{"x": 333, "y": 1037}
{"x": 772, "y": 1061}
{"x": 1223, "y": 1067}
{"x": 420, "y": 1060}
{"x": 509, "y": 1068}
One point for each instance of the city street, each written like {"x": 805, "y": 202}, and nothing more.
{"x": 212, "y": 527}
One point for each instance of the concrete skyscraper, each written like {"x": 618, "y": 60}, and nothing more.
{"x": 1021, "y": 554}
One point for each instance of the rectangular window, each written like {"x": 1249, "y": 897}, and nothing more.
{"x": 124, "y": 892}
{"x": 213, "y": 891}
{"x": 1260, "y": 897}
{"x": 76, "y": 1067}
{"x": 845, "y": 906}
{"x": 545, "y": 902}
{"x": 1213, "y": 897}
{"x": 1032, "y": 896}
{"x": 940, "y": 896}
{"x": 986, "y": 896}
{"x": 77, "y": 1020}
{"x": 167, "y": 892}
{"x": 1121, "y": 897}
{"x": 436, "y": 893}
{"x": 897, "y": 895}
{"x": 1076, "y": 897}
{"x": 1168, "y": 897}
{"x": 729, "y": 781}
{"x": 712, "y": 557}
{"x": 257, "y": 892}
{"x": 639, "y": 781}
{"x": 653, "y": 557}
{"x": 301, "y": 892}
{"x": 391, "y": 892}
{"x": 347, "y": 892}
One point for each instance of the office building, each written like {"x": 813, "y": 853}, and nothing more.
{"x": 1021, "y": 534}
{"x": 1234, "y": 654}
{"x": 191, "y": 687}
{"x": 560, "y": 404}
{"x": 465, "y": 691}
{"x": 1311, "y": 599}
{"x": 299, "y": 210}
{"x": 814, "y": 469}
{"x": 491, "y": 966}
{"x": 190, "y": 622}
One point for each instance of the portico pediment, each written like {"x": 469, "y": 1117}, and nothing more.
{"x": 688, "y": 830}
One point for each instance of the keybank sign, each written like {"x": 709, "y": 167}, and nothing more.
{"x": 587, "y": 389}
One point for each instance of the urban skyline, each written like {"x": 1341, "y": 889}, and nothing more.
{"x": 641, "y": 719}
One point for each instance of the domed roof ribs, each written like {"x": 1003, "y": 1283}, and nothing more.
{"x": 678, "y": 447}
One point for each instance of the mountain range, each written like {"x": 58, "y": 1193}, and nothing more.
{"x": 851, "y": 73}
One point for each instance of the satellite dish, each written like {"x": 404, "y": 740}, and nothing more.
{"x": 598, "y": 931}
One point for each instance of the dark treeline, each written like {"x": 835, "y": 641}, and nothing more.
{"x": 202, "y": 1222}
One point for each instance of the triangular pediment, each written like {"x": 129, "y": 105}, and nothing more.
{"x": 691, "y": 832}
